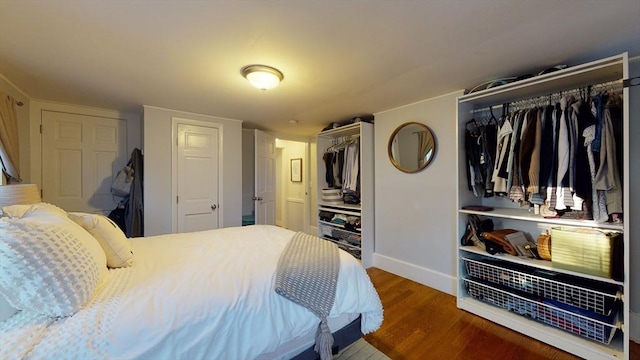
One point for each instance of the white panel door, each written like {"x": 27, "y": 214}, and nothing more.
{"x": 198, "y": 178}
{"x": 80, "y": 156}
{"x": 265, "y": 182}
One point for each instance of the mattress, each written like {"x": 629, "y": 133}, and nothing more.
{"x": 197, "y": 295}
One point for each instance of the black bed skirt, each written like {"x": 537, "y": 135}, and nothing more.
{"x": 341, "y": 339}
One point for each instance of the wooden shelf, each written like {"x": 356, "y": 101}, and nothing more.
{"x": 596, "y": 72}
{"x": 519, "y": 214}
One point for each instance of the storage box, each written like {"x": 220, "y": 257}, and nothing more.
{"x": 588, "y": 251}
{"x": 332, "y": 196}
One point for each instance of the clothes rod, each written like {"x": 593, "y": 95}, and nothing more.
{"x": 616, "y": 85}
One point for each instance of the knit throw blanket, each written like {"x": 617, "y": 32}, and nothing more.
{"x": 307, "y": 274}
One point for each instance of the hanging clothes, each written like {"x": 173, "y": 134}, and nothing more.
{"x": 608, "y": 175}
{"x": 500, "y": 170}
{"x": 134, "y": 209}
{"x": 351, "y": 167}
{"x": 598, "y": 200}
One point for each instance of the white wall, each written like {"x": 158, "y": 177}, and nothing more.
{"x": 415, "y": 223}
{"x": 158, "y": 140}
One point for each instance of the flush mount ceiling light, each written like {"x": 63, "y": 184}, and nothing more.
{"x": 262, "y": 76}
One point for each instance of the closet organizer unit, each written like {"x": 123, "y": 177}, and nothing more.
{"x": 347, "y": 220}
{"x": 586, "y": 315}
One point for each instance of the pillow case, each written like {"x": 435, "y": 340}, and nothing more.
{"x": 48, "y": 214}
{"x": 6, "y": 310}
{"x": 45, "y": 268}
{"x": 115, "y": 244}
{"x": 20, "y": 210}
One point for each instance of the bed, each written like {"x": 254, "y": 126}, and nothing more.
{"x": 201, "y": 295}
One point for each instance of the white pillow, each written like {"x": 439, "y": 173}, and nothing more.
{"x": 113, "y": 241}
{"x": 19, "y": 210}
{"x": 45, "y": 268}
{"x": 43, "y": 213}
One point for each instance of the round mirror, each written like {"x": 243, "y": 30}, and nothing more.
{"x": 412, "y": 147}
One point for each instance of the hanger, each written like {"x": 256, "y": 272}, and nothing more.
{"x": 341, "y": 145}
{"x": 493, "y": 117}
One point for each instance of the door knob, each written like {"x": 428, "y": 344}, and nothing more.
{"x": 214, "y": 206}
{"x": 256, "y": 198}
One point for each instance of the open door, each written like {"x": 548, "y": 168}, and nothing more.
{"x": 265, "y": 178}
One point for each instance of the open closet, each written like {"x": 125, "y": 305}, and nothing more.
{"x": 528, "y": 162}
{"x": 345, "y": 188}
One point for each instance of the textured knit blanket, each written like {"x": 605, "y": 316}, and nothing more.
{"x": 307, "y": 274}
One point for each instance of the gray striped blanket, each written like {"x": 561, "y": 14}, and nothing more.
{"x": 307, "y": 274}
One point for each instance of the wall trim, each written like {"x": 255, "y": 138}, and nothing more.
{"x": 433, "y": 279}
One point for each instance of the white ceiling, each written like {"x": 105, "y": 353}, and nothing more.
{"x": 340, "y": 59}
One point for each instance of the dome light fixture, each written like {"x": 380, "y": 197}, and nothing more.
{"x": 262, "y": 77}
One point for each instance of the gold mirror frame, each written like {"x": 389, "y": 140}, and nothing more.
{"x": 412, "y": 147}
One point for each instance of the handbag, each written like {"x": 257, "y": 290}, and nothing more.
{"x": 499, "y": 242}
{"x": 544, "y": 246}
{"x": 475, "y": 228}
{"x": 121, "y": 185}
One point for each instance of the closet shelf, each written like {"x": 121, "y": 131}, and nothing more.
{"x": 523, "y": 214}
{"x": 329, "y": 223}
{"x": 334, "y": 207}
{"x": 346, "y": 130}
{"x": 604, "y": 70}
{"x": 538, "y": 264}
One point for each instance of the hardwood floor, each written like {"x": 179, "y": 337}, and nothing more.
{"x": 423, "y": 323}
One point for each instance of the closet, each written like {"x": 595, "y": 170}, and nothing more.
{"x": 582, "y": 307}
{"x": 345, "y": 188}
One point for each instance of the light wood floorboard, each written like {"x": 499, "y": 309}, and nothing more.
{"x": 423, "y": 323}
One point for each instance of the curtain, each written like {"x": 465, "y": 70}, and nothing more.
{"x": 9, "y": 153}
{"x": 425, "y": 143}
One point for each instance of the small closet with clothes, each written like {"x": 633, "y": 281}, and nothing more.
{"x": 342, "y": 167}
{"x": 560, "y": 154}
{"x": 345, "y": 188}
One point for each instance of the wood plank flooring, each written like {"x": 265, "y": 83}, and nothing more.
{"x": 423, "y": 323}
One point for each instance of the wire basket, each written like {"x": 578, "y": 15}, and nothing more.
{"x": 600, "y": 302}
{"x": 586, "y": 327}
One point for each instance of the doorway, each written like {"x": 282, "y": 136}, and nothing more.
{"x": 292, "y": 200}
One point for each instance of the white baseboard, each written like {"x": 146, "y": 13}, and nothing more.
{"x": 634, "y": 326}
{"x": 433, "y": 279}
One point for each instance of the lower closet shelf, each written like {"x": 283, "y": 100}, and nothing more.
{"x": 574, "y": 323}
{"x": 344, "y": 245}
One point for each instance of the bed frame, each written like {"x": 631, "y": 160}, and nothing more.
{"x": 341, "y": 339}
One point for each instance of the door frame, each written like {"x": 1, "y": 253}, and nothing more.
{"x": 175, "y": 121}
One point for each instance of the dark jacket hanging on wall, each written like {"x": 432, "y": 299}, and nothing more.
{"x": 134, "y": 208}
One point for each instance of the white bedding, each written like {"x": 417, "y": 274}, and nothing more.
{"x": 190, "y": 296}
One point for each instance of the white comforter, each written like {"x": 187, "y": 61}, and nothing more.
{"x": 190, "y": 296}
